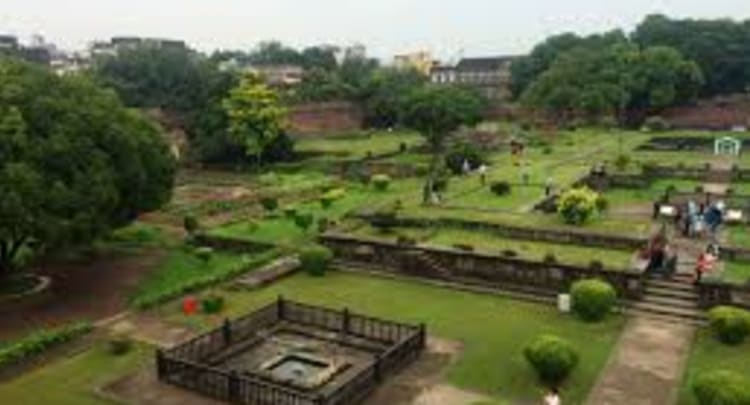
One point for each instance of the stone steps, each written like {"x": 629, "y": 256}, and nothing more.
{"x": 675, "y": 298}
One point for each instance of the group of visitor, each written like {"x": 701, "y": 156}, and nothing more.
{"x": 697, "y": 220}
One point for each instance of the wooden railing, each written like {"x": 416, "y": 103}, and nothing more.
{"x": 190, "y": 365}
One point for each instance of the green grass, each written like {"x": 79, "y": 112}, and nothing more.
{"x": 739, "y": 236}
{"x": 72, "y": 381}
{"x": 493, "y": 330}
{"x": 708, "y": 354}
{"x": 736, "y": 272}
{"x": 183, "y": 271}
{"x": 486, "y": 242}
{"x": 356, "y": 146}
{"x": 621, "y": 196}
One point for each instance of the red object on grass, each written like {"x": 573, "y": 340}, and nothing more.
{"x": 190, "y": 305}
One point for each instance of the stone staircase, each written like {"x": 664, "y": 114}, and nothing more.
{"x": 674, "y": 299}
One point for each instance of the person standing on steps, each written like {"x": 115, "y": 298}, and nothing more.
{"x": 704, "y": 264}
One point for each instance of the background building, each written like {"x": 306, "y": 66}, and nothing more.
{"x": 421, "y": 61}
{"x": 491, "y": 76}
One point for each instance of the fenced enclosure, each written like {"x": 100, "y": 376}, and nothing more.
{"x": 196, "y": 364}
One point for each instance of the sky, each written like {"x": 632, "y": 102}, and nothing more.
{"x": 448, "y": 29}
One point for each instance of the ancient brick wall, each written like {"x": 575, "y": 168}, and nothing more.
{"x": 323, "y": 118}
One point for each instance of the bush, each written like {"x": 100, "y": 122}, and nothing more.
{"x": 269, "y": 204}
{"x": 622, "y": 162}
{"x": 656, "y": 124}
{"x": 37, "y": 342}
{"x": 304, "y": 221}
{"x": 119, "y": 344}
{"x": 381, "y": 182}
{"x": 466, "y": 152}
{"x": 190, "y": 223}
{"x": 547, "y": 150}
{"x": 323, "y": 225}
{"x": 402, "y": 147}
{"x": 602, "y": 203}
{"x": 721, "y": 388}
{"x": 549, "y": 258}
{"x": 509, "y": 253}
{"x": 204, "y": 253}
{"x": 593, "y": 299}
{"x": 290, "y": 212}
{"x": 463, "y": 247}
{"x": 576, "y": 206}
{"x": 212, "y": 304}
{"x": 500, "y": 188}
{"x": 552, "y": 358}
{"x": 315, "y": 260}
{"x": 731, "y": 325}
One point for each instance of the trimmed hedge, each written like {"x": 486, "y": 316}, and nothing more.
{"x": 593, "y": 299}
{"x": 500, "y": 188}
{"x": 269, "y": 204}
{"x": 315, "y": 260}
{"x": 722, "y": 388}
{"x": 37, "y": 342}
{"x": 553, "y": 358}
{"x": 381, "y": 182}
{"x": 731, "y": 325}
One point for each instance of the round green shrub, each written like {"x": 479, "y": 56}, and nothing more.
{"x": 731, "y": 325}
{"x": 269, "y": 204}
{"x": 315, "y": 260}
{"x": 552, "y": 358}
{"x": 304, "y": 221}
{"x": 119, "y": 344}
{"x": 212, "y": 304}
{"x": 721, "y": 388}
{"x": 576, "y": 206}
{"x": 204, "y": 253}
{"x": 602, "y": 203}
{"x": 622, "y": 162}
{"x": 593, "y": 299}
{"x": 190, "y": 223}
{"x": 290, "y": 212}
{"x": 381, "y": 182}
{"x": 500, "y": 188}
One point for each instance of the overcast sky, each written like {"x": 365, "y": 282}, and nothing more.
{"x": 445, "y": 27}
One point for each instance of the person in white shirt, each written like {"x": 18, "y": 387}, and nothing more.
{"x": 552, "y": 397}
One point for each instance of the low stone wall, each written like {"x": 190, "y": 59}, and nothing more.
{"x": 735, "y": 254}
{"x": 716, "y": 293}
{"x": 323, "y": 118}
{"x": 476, "y": 268}
{"x": 569, "y": 237}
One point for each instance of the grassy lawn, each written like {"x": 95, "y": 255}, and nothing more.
{"x": 739, "y": 236}
{"x": 183, "y": 268}
{"x": 708, "y": 354}
{"x": 72, "y": 381}
{"x": 493, "y": 244}
{"x": 493, "y": 330}
{"x": 736, "y": 272}
{"x": 622, "y": 196}
{"x": 603, "y": 225}
{"x": 356, "y": 146}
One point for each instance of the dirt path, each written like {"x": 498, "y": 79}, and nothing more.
{"x": 90, "y": 289}
{"x": 647, "y": 365}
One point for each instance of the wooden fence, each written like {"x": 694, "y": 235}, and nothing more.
{"x": 193, "y": 364}
{"x": 475, "y": 268}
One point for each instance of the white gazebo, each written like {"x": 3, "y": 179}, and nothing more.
{"x": 727, "y": 146}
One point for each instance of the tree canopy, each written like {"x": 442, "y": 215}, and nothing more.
{"x": 621, "y": 80}
{"x": 74, "y": 162}
{"x": 720, "y": 47}
{"x": 436, "y": 111}
{"x": 256, "y": 117}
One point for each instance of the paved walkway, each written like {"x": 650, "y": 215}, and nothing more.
{"x": 647, "y": 365}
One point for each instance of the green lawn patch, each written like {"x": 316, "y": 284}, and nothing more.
{"x": 739, "y": 236}
{"x": 493, "y": 330}
{"x": 184, "y": 272}
{"x": 72, "y": 381}
{"x": 736, "y": 272}
{"x": 708, "y": 354}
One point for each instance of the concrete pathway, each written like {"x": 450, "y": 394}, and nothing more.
{"x": 646, "y": 366}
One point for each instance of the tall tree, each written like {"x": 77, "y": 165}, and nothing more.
{"x": 74, "y": 162}
{"x": 385, "y": 92}
{"x": 720, "y": 47}
{"x": 527, "y": 69}
{"x": 436, "y": 112}
{"x": 256, "y": 117}
{"x": 622, "y": 81}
